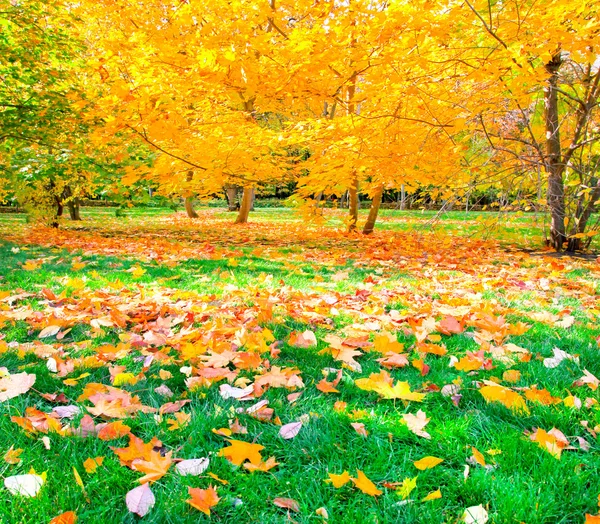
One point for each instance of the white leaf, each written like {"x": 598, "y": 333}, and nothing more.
{"x": 475, "y": 515}
{"x": 67, "y": 411}
{"x": 49, "y": 331}
{"x": 226, "y": 391}
{"x": 192, "y": 466}
{"x": 14, "y": 385}
{"x": 27, "y": 485}
{"x": 140, "y": 500}
{"x": 559, "y": 356}
{"x": 290, "y": 430}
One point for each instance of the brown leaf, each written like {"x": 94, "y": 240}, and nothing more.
{"x": 286, "y": 503}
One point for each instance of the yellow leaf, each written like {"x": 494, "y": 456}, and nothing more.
{"x": 427, "y": 463}
{"x": 406, "y": 487}
{"x": 505, "y": 396}
{"x": 122, "y": 379}
{"x": 437, "y": 494}
{"x": 363, "y": 483}
{"x": 239, "y": 451}
{"x": 338, "y": 480}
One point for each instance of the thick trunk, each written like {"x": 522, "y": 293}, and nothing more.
{"x": 247, "y": 199}
{"x": 373, "y": 211}
{"x": 189, "y": 207}
{"x": 73, "y": 207}
{"x": 189, "y": 199}
{"x": 232, "y": 203}
{"x": 554, "y": 166}
{"x": 353, "y": 208}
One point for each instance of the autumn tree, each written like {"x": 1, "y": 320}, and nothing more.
{"x": 533, "y": 98}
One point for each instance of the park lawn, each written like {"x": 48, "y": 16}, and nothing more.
{"x": 145, "y": 300}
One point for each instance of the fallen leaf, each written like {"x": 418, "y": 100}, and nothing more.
{"x": 475, "y": 515}
{"x": 140, "y": 500}
{"x": 14, "y": 385}
{"x": 192, "y": 466}
{"x": 437, "y": 494}
{"x": 416, "y": 423}
{"x": 558, "y": 357}
{"x": 289, "y": 431}
{"x": 27, "y": 485}
{"x": 203, "y": 499}
{"x": 284, "y": 503}
{"x": 363, "y": 483}
{"x": 68, "y": 517}
{"x": 12, "y": 456}
{"x": 239, "y": 451}
{"x": 338, "y": 480}
{"x": 428, "y": 462}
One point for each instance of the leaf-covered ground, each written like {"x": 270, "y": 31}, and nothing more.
{"x": 276, "y": 371}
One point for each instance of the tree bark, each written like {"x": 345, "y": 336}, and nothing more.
{"x": 554, "y": 168}
{"x": 231, "y": 192}
{"x": 373, "y": 211}
{"x": 353, "y": 208}
{"x": 189, "y": 200}
{"x": 73, "y": 207}
{"x": 247, "y": 199}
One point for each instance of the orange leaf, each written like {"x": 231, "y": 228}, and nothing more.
{"x": 68, "y": 517}
{"x": 114, "y": 430}
{"x": 239, "y": 451}
{"x": 203, "y": 499}
{"x": 155, "y": 467}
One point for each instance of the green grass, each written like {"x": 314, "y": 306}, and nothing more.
{"x": 370, "y": 279}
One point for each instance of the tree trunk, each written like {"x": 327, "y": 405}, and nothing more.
{"x": 353, "y": 209}
{"x": 189, "y": 199}
{"x": 247, "y": 198}
{"x": 554, "y": 167}
{"x": 189, "y": 207}
{"x": 231, "y": 192}
{"x": 73, "y": 207}
{"x": 373, "y": 211}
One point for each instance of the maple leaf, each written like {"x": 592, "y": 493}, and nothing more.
{"x": 203, "y": 499}
{"x": 114, "y": 430}
{"x": 270, "y": 463}
{"x": 496, "y": 393}
{"x": 405, "y": 489}
{"x": 14, "y": 385}
{"x": 338, "y": 480}
{"x": 416, "y": 423}
{"x": 552, "y": 441}
{"x": 381, "y": 384}
{"x": 12, "y": 456}
{"x": 363, "y": 483}
{"x": 239, "y": 451}
{"x": 137, "y": 449}
{"x": 155, "y": 467}
{"x": 91, "y": 464}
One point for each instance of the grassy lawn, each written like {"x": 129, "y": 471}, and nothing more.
{"x": 165, "y": 309}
